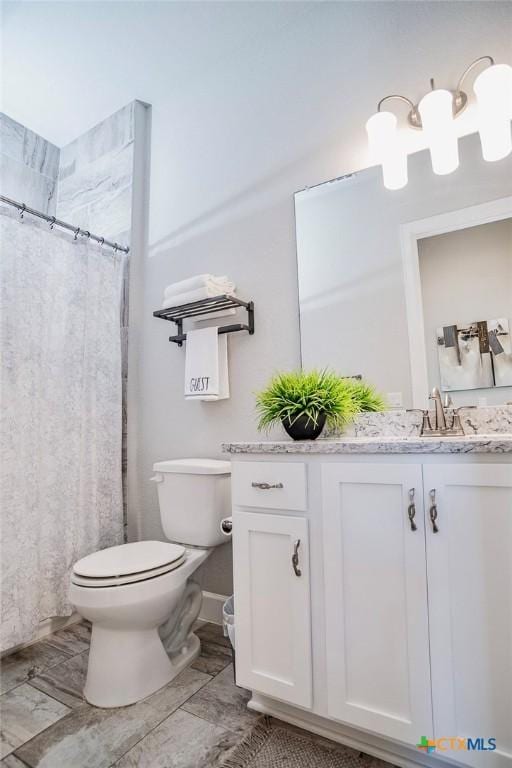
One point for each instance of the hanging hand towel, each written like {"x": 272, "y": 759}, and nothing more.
{"x": 206, "y": 365}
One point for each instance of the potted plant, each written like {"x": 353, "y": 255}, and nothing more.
{"x": 366, "y": 396}
{"x": 303, "y": 401}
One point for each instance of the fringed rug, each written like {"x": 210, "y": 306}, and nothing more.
{"x": 273, "y": 745}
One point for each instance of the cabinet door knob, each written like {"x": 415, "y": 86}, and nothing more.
{"x": 266, "y": 486}
{"x": 433, "y": 511}
{"x": 411, "y": 510}
{"x": 295, "y": 558}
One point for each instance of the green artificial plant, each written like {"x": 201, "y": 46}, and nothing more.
{"x": 315, "y": 394}
{"x": 366, "y": 396}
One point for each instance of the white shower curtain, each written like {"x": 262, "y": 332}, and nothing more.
{"x": 60, "y": 434}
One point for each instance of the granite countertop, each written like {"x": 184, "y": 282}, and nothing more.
{"x": 481, "y": 443}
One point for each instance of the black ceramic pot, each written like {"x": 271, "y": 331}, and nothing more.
{"x": 303, "y": 428}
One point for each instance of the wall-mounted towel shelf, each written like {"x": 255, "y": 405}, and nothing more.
{"x": 207, "y": 307}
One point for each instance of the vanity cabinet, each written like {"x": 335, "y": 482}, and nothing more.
{"x": 272, "y": 605}
{"x": 469, "y": 565}
{"x": 376, "y": 617}
{"x": 400, "y": 622}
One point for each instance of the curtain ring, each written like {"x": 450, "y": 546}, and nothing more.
{"x": 102, "y": 241}
{"x": 22, "y": 210}
{"x": 115, "y": 247}
{"x": 52, "y": 222}
{"x": 77, "y": 232}
{"x": 87, "y": 234}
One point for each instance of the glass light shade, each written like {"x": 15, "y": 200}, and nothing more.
{"x": 386, "y": 150}
{"x": 493, "y": 89}
{"x": 436, "y": 111}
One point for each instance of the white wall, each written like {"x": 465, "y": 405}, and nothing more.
{"x": 466, "y": 276}
{"x": 251, "y": 101}
{"x": 257, "y": 249}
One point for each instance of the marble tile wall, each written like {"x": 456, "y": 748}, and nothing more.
{"x": 96, "y": 177}
{"x": 95, "y": 189}
{"x": 29, "y": 166}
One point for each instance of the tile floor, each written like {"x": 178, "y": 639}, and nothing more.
{"x": 194, "y": 722}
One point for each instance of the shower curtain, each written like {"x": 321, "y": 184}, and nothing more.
{"x": 60, "y": 422}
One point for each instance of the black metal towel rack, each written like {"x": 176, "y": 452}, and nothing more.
{"x": 207, "y": 307}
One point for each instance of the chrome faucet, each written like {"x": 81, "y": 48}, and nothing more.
{"x": 440, "y": 420}
{"x": 440, "y": 427}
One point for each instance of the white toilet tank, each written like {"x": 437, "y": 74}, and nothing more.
{"x": 194, "y": 495}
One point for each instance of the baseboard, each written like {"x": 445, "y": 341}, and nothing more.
{"x": 390, "y": 752}
{"x": 45, "y": 628}
{"x": 211, "y": 609}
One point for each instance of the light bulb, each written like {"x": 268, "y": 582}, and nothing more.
{"x": 493, "y": 89}
{"x": 385, "y": 149}
{"x": 436, "y": 111}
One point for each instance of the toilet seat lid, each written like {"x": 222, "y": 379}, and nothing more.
{"x": 128, "y": 559}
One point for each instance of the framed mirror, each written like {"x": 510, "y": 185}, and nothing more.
{"x": 394, "y": 286}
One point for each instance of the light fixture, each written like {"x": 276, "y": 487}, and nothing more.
{"x": 385, "y": 149}
{"x": 436, "y": 112}
{"x": 493, "y": 89}
{"x": 435, "y": 115}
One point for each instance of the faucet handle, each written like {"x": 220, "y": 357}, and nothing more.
{"x": 457, "y": 423}
{"x": 448, "y": 402}
{"x": 426, "y": 426}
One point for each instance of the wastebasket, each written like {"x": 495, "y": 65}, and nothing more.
{"x": 228, "y": 623}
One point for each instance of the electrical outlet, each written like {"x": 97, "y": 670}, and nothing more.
{"x": 394, "y": 399}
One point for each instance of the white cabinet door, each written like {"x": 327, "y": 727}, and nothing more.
{"x": 376, "y": 599}
{"x": 272, "y": 605}
{"x": 469, "y": 564}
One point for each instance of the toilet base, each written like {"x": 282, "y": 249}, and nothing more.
{"x": 127, "y": 666}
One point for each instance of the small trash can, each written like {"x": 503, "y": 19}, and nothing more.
{"x": 228, "y": 623}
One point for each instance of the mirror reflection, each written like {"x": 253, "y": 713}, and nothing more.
{"x": 411, "y": 289}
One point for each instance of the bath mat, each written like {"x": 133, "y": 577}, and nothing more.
{"x": 272, "y": 745}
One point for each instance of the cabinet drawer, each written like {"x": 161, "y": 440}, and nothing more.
{"x": 269, "y": 485}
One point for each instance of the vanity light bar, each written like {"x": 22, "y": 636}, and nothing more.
{"x": 435, "y": 114}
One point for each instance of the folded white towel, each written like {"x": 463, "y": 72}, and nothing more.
{"x": 190, "y": 284}
{"x": 206, "y": 365}
{"x": 218, "y": 284}
{"x": 195, "y": 295}
{"x": 213, "y": 315}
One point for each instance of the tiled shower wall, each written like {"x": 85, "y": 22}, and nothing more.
{"x": 95, "y": 192}
{"x": 88, "y": 183}
{"x": 29, "y": 166}
{"x": 96, "y": 178}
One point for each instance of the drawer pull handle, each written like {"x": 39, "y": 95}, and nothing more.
{"x": 267, "y": 486}
{"x": 295, "y": 558}
{"x": 411, "y": 510}
{"x": 433, "y": 511}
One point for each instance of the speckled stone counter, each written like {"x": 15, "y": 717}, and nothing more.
{"x": 494, "y": 443}
{"x": 485, "y": 420}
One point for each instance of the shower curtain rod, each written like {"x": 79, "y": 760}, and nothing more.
{"x": 62, "y": 224}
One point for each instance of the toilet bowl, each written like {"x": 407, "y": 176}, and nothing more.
{"x": 139, "y": 596}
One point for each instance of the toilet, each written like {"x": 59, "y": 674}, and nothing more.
{"x": 140, "y": 597}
